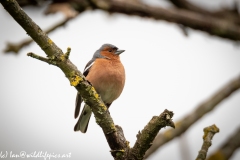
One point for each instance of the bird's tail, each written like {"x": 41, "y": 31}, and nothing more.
{"x": 83, "y": 120}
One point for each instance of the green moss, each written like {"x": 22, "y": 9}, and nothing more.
{"x": 74, "y": 81}
{"x": 113, "y": 127}
{"x": 62, "y": 57}
{"x": 50, "y": 41}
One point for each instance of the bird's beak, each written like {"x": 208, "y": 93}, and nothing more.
{"x": 118, "y": 52}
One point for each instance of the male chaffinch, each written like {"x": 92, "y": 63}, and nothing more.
{"x": 107, "y": 75}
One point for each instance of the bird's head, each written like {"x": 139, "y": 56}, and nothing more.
{"x": 108, "y": 51}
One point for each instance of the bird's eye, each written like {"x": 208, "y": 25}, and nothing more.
{"x": 110, "y": 50}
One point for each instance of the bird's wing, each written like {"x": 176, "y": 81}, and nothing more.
{"x": 88, "y": 67}
{"x": 77, "y": 105}
{"x": 78, "y": 97}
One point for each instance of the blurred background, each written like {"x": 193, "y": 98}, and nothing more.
{"x": 164, "y": 70}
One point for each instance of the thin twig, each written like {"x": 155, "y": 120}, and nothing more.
{"x": 16, "y": 47}
{"x": 209, "y": 132}
{"x": 227, "y": 149}
{"x": 67, "y": 54}
{"x": 47, "y": 60}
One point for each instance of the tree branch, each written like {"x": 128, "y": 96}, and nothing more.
{"x": 184, "y": 4}
{"x": 183, "y": 124}
{"x": 228, "y": 14}
{"x": 224, "y": 23}
{"x": 16, "y": 47}
{"x": 214, "y": 26}
{"x": 209, "y": 132}
{"x": 147, "y": 135}
{"x": 228, "y": 148}
{"x": 30, "y": 2}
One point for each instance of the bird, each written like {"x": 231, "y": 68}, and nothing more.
{"x": 106, "y": 74}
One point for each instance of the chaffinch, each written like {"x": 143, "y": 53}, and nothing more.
{"x": 107, "y": 75}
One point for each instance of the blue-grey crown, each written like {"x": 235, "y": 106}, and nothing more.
{"x": 97, "y": 53}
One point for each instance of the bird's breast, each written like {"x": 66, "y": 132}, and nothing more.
{"x": 108, "y": 78}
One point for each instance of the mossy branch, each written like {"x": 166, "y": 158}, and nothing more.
{"x": 147, "y": 135}
{"x": 209, "y": 132}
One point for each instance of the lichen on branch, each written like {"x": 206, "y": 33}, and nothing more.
{"x": 146, "y": 136}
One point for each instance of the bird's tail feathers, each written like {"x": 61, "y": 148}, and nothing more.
{"x": 83, "y": 120}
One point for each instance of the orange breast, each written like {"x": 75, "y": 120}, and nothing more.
{"x": 108, "y": 78}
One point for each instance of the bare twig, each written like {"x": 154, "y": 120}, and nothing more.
{"x": 195, "y": 115}
{"x": 227, "y": 149}
{"x": 67, "y": 54}
{"x": 30, "y": 2}
{"x": 228, "y": 14}
{"x": 51, "y": 60}
{"x": 209, "y": 24}
{"x": 47, "y": 60}
{"x": 209, "y": 132}
{"x": 190, "y": 6}
{"x": 16, "y": 47}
